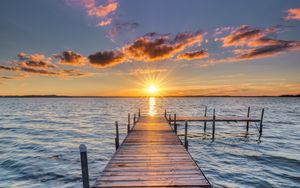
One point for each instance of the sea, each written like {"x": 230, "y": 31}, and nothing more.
{"x": 40, "y": 138}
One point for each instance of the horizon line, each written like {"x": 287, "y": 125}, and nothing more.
{"x": 119, "y": 96}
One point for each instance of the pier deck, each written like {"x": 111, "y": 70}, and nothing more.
{"x": 152, "y": 155}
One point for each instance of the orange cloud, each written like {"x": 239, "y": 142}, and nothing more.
{"x": 193, "y": 55}
{"x": 39, "y": 64}
{"x": 244, "y": 36}
{"x": 101, "y": 10}
{"x": 71, "y": 58}
{"x": 153, "y": 46}
{"x": 105, "y": 22}
{"x": 293, "y": 14}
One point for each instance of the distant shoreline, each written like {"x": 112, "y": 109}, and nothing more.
{"x": 66, "y": 96}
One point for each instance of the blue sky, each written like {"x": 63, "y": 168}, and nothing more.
{"x": 46, "y": 29}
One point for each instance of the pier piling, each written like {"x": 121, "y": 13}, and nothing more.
{"x": 261, "y": 122}
{"x": 248, "y": 115}
{"x": 205, "y": 114}
{"x": 165, "y": 113}
{"x": 117, "y": 136}
{"x": 134, "y": 119}
{"x": 139, "y": 114}
{"x": 170, "y": 119}
{"x": 128, "y": 125}
{"x": 213, "y": 124}
{"x": 84, "y": 166}
{"x": 186, "y": 144}
{"x": 175, "y": 124}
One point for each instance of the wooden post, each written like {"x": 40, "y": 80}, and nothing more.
{"x": 205, "y": 113}
{"x": 165, "y": 113}
{"x": 175, "y": 124}
{"x": 128, "y": 125}
{"x": 139, "y": 114}
{"x": 117, "y": 136}
{"x": 213, "y": 124}
{"x": 261, "y": 122}
{"x": 170, "y": 118}
{"x": 186, "y": 144}
{"x": 84, "y": 166}
{"x": 248, "y": 115}
{"x": 134, "y": 119}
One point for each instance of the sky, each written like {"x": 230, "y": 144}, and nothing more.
{"x": 157, "y": 47}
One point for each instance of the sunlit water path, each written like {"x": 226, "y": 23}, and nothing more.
{"x": 39, "y": 139}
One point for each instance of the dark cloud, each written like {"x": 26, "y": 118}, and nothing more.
{"x": 269, "y": 50}
{"x": 193, "y": 55}
{"x": 106, "y": 58}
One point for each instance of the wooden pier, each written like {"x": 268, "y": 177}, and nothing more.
{"x": 152, "y": 155}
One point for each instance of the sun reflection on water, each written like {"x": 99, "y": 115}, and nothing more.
{"x": 152, "y": 109}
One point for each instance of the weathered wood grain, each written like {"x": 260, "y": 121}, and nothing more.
{"x": 152, "y": 155}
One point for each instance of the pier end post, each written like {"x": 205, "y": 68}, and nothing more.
{"x": 139, "y": 114}
{"x": 165, "y": 113}
{"x": 261, "y": 122}
{"x": 117, "y": 136}
{"x": 170, "y": 118}
{"x": 205, "y": 114}
{"x": 84, "y": 166}
{"x": 128, "y": 125}
{"x": 248, "y": 115}
{"x": 175, "y": 124}
{"x": 214, "y": 124}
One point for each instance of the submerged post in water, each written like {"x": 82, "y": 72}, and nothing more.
{"x": 117, "y": 136}
{"x": 84, "y": 166}
{"x": 205, "y": 113}
{"x": 139, "y": 114}
{"x": 169, "y": 118}
{"x": 175, "y": 124}
{"x": 128, "y": 125}
{"x": 261, "y": 122}
{"x": 248, "y": 115}
{"x": 213, "y": 124}
{"x": 165, "y": 113}
{"x": 186, "y": 144}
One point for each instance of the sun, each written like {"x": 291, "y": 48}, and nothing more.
{"x": 152, "y": 89}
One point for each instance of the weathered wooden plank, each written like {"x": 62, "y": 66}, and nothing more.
{"x": 152, "y": 155}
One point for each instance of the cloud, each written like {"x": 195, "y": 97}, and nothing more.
{"x": 269, "y": 50}
{"x": 35, "y": 60}
{"x": 244, "y": 36}
{"x": 106, "y": 58}
{"x": 39, "y": 64}
{"x": 153, "y": 46}
{"x": 121, "y": 26}
{"x": 105, "y": 22}
{"x": 293, "y": 14}
{"x": 71, "y": 58}
{"x": 101, "y": 10}
{"x": 193, "y": 55}
{"x": 95, "y": 10}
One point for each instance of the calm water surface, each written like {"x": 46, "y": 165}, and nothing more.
{"x": 39, "y": 139}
